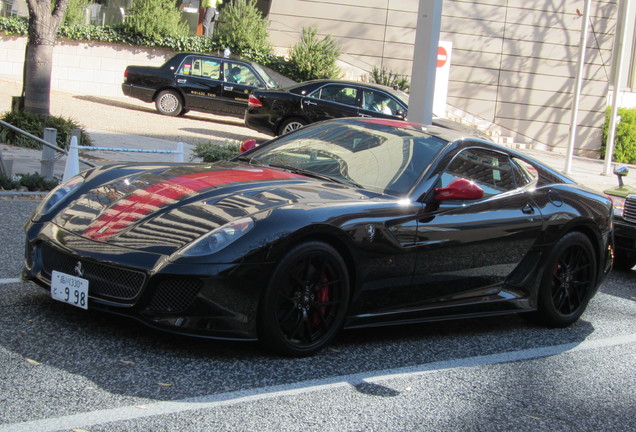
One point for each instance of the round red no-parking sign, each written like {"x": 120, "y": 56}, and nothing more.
{"x": 442, "y": 56}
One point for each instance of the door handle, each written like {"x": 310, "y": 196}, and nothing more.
{"x": 228, "y": 88}
{"x": 309, "y": 103}
{"x": 182, "y": 81}
{"x": 528, "y": 209}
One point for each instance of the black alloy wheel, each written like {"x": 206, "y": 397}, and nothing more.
{"x": 168, "y": 102}
{"x": 306, "y": 300}
{"x": 568, "y": 282}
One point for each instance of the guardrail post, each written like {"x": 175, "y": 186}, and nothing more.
{"x": 47, "y": 164}
{"x": 179, "y": 155}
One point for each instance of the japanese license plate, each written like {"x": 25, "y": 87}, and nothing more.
{"x": 69, "y": 289}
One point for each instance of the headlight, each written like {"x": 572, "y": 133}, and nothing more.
{"x": 218, "y": 239}
{"x": 57, "y": 195}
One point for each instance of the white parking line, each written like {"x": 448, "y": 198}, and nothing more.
{"x": 93, "y": 418}
{"x": 9, "y": 281}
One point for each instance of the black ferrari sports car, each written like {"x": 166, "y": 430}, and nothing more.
{"x": 341, "y": 224}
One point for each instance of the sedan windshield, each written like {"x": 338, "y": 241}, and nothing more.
{"x": 372, "y": 156}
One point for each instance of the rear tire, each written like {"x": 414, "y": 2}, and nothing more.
{"x": 568, "y": 281}
{"x": 305, "y": 302}
{"x": 291, "y": 124}
{"x": 168, "y": 102}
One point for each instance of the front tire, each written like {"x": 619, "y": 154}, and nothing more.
{"x": 168, "y": 102}
{"x": 305, "y": 302}
{"x": 568, "y": 281}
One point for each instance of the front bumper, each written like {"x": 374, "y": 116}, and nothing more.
{"x": 217, "y": 301}
{"x": 624, "y": 236}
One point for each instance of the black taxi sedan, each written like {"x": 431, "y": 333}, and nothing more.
{"x": 200, "y": 82}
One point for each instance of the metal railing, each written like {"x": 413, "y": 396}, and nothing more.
{"x": 49, "y": 149}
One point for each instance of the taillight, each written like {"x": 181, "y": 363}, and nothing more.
{"x": 253, "y": 102}
{"x": 126, "y": 74}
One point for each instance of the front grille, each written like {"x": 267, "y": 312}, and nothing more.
{"x": 104, "y": 280}
{"x": 629, "y": 212}
{"x": 174, "y": 295}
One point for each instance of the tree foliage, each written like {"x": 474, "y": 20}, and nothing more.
{"x": 155, "y": 19}
{"x": 242, "y": 29}
{"x": 315, "y": 57}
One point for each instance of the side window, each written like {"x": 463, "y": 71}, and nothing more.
{"x": 186, "y": 66}
{"x": 527, "y": 173}
{"x": 200, "y": 67}
{"x": 491, "y": 171}
{"x": 240, "y": 74}
{"x": 379, "y": 102}
{"x": 337, "y": 93}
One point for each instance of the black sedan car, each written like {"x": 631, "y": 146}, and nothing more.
{"x": 201, "y": 83}
{"x": 278, "y": 111}
{"x": 624, "y": 198}
{"x": 345, "y": 223}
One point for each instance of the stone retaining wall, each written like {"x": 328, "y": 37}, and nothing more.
{"x": 82, "y": 68}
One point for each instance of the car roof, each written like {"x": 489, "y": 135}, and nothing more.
{"x": 318, "y": 82}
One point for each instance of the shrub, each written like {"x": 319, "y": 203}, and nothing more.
{"x": 211, "y": 152}
{"x": 388, "y": 78}
{"x": 155, "y": 19}
{"x": 35, "y": 125}
{"x": 242, "y": 29}
{"x": 315, "y": 58}
{"x": 75, "y": 12}
{"x": 625, "y": 141}
{"x": 32, "y": 182}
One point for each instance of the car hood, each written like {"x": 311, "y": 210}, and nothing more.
{"x": 163, "y": 209}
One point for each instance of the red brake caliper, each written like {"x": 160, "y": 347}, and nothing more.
{"x": 322, "y": 295}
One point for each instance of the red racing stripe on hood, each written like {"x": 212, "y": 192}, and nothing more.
{"x": 131, "y": 209}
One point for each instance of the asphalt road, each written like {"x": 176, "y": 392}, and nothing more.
{"x": 62, "y": 368}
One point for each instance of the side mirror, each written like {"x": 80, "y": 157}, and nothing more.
{"x": 401, "y": 114}
{"x": 246, "y": 145}
{"x": 459, "y": 189}
{"x": 621, "y": 172}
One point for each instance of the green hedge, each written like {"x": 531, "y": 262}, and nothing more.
{"x": 119, "y": 35}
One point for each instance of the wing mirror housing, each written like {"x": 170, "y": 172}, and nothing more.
{"x": 246, "y": 145}
{"x": 459, "y": 189}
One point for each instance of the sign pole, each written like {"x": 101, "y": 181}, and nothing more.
{"x": 429, "y": 20}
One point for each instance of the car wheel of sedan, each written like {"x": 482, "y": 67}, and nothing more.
{"x": 306, "y": 300}
{"x": 168, "y": 102}
{"x": 568, "y": 281}
{"x": 291, "y": 124}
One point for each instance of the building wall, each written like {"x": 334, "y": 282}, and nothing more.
{"x": 513, "y": 63}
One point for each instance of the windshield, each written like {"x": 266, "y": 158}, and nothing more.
{"x": 372, "y": 156}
